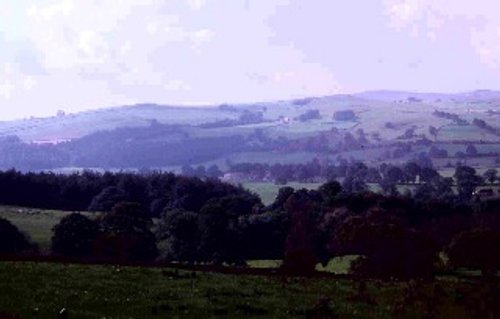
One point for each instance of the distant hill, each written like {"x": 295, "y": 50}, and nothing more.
{"x": 162, "y": 136}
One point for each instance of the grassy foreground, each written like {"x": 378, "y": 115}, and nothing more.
{"x": 41, "y": 290}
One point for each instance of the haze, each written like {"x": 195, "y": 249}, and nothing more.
{"x": 76, "y": 55}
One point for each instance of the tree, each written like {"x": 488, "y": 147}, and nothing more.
{"x": 471, "y": 150}
{"x": 437, "y": 152}
{"x": 477, "y": 249}
{"x": 467, "y": 181}
{"x": 106, "y": 199}
{"x": 221, "y": 238}
{"x": 354, "y": 185}
{"x": 427, "y": 174}
{"x": 410, "y": 171}
{"x": 329, "y": 191}
{"x": 301, "y": 251}
{"x": 394, "y": 174}
{"x": 389, "y": 187}
{"x": 373, "y": 175}
{"x": 433, "y": 131}
{"x": 12, "y": 241}
{"x": 387, "y": 248}
{"x": 74, "y": 236}
{"x": 346, "y": 115}
{"x": 309, "y": 115}
{"x": 282, "y": 197}
{"x": 180, "y": 234}
{"x": 187, "y": 170}
{"x": 491, "y": 175}
{"x": 213, "y": 171}
{"x": 264, "y": 234}
{"x": 127, "y": 233}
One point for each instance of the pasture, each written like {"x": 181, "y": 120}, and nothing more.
{"x": 41, "y": 290}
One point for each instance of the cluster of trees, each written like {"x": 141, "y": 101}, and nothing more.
{"x": 356, "y": 176}
{"x": 244, "y": 118}
{"x": 121, "y": 148}
{"x": 394, "y": 235}
{"x": 312, "y": 114}
{"x": 122, "y": 235}
{"x": 345, "y": 115}
{"x": 450, "y": 116}
{"x": 485, "y": 126}
{"x": 94, "y": 191}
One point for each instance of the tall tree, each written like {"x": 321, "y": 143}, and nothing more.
{"x": 467, "y": 181}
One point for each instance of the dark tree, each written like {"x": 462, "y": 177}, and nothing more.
{"x": 433, "y": 131}
{"x": 178, "y": 230}
{"x": 467, "y": 181}
{"x": 213, "y": 171}
{"x": 476, "y": 249}
{"x": 74, "y": 236}
{"x": 471, "y": 150}
{"x": 283, "y": 194}
{"x": 312, "y": 114}
{"x": 387, "y": 249}
{"x": 427, "y": 174}
{"x": 12, "y": 241}
{"x": 354, "y": 185}
{"x": 221, "y": 238}
{"x": 329, "y": 191}
{"x": 106, "y": 199}
{"x": 127, "y": 233}
{"x": 347, "y": 115}
{"x": 410, "y": 171}
{"x": 301, "y": 249}
{"x": 491, "y": 175}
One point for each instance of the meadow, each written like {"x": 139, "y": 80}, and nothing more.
{"x": 42, "y": 290}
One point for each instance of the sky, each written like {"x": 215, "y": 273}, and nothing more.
{"x": 75, "y": 55}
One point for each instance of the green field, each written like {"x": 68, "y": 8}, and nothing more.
{"x": 41, "y": 290}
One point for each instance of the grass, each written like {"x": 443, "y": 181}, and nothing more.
{"x": 338, "y": 265}
{"x": 264, "y": 263}
{"x": 36, "y": 223}
{"x": 41, "y": 290}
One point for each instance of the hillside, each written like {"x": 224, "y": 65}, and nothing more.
{"x": 371, "y": 126}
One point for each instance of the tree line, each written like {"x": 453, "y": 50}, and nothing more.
{"x": 394, "y": 235}
{"x": 99, "y": 192}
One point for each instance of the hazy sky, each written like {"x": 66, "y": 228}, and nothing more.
{"x": 81, "y": 54}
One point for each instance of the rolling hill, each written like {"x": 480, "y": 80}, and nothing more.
{"x": 167, "y": 137}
